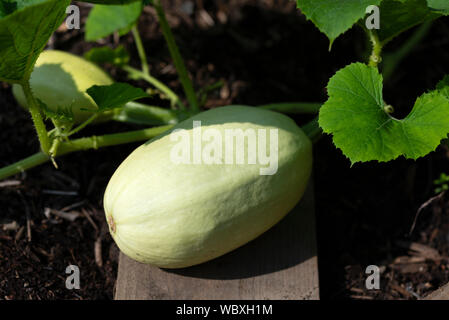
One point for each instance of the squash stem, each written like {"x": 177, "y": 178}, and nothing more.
{"x": 173, "y": 97}
{"x": 36, "y": 115}
{"x": 82, "y": 125}
{"x": 313, "y": 130}
{"x": 134, "y": 112}
{"x": 294, "y": 107}
{"x": 376, "y": 53}
{"x": 93, "y": 142}
{"x": 140, "y": 50}
{"x": 176, "y": 56}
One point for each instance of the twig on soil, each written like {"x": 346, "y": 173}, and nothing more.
{"x": 60, "y": 192}
{"x": 10, "y": 226}
{"x": 19, "y": 233}
{"x": 408, "y": 260}
{"x": 97, "y": 252}
{"x": 43, "y": 252}
{"x": 402, "y": 291}
{"x": 28, "y": 228}
{"x": 422, "y": 250}
{"x": 357, "y": 290}
{"x": 3, "y": 237}
{"x": 28, "y": 216}
{"x": 361, "y": 297}
{"x": 422, "y": 207}
{"x": 73, "y": 206}
{"x": 89, "y": 218}
{"x": 73, "y": 256}
{"x": 70, "y": 216}
{"x": 9, "y": 183}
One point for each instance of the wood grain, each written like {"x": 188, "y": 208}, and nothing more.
{"x": 280, "y": 264}
{"x": 440, "y": 294}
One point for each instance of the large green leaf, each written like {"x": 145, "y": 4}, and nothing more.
{"x": 398, "y": 16}
{"x": 104, "y": 20}
{"x": 334, "y": 17}
{"x": 25, "y": 27}
{"x": 115, "y": 95}
{"x": 363, "y": 129}
{"x": 443, "y": 86}
{"x": 441, "y": 6}
{"x": 9, "y": 6}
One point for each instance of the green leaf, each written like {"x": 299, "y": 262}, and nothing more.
{"x": 109, "y": 2}
{"x": 104, "y": 20}
{"x": 334, "y": 17}
{"x": 9, "y": 6}
{"x": 114, "y": 95}
{"x": 24, "y": 33}
{"x": 62, "y": 114}
{"x": 117, "y": 57}
{"x": 397, "y": 17}
{"x": 443, "y": 86}
{"x": 441, "y": 6}
{"x": 356, "y": 116}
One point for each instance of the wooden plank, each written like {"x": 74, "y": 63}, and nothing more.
{"x": 440, "y": 294}
{"x": 280, "y": 264}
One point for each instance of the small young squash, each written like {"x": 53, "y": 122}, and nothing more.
{"x": 60, "y": 79}
{"x": 174, "y": 214}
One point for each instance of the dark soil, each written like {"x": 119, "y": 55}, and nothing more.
{"x": 264, "y": 52}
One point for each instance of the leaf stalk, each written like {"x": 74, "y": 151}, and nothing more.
{"x": 36, "y": 115}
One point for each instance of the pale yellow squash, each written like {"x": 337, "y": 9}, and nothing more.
{"x": 178, "y": 215}
{"x": 60, "y": 79}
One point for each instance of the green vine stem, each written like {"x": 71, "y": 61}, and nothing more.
{"x": 54, "y": 149}
{"x": 376, "y": 54}
{"x": 294, "y": 107}
{"x": 134, "y": 112}
{"x": 93, "y": 142}
{"x": 137, "y": 74}
{"x": 36, "y": 115}
{"x": 140, "y": 50}
{"x": 82, "y": 125}
{"x": 312, "y": 130}
{"x": 176, "y": 56}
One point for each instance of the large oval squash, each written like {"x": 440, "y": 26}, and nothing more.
{"x": 173, "y": 214}
{"x": 60, "y": 79}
